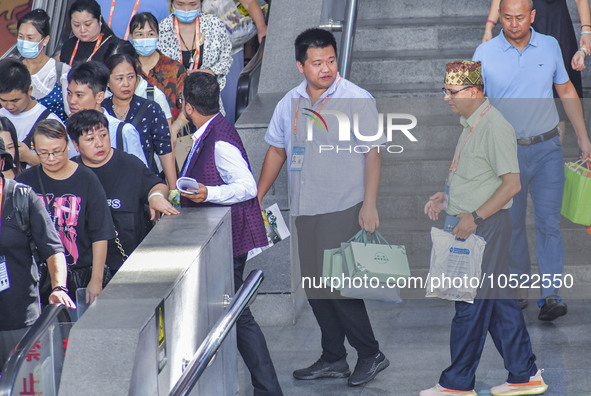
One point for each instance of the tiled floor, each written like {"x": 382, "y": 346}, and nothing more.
{"x": 414, "y": 336}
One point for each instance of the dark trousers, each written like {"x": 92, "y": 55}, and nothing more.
{"x": 338, "y": 317}
{"x": 252, "y": 345}
{"x": 501, "y": 317}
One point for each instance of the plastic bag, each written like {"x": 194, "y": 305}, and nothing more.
{"x": 454, "y": 273}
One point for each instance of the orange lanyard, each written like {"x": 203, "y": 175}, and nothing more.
{"x": 197, "y": 39}
{"x": 137, "y": 4}
{"x": 457, "y": 154}
{"x": 295, "y": 123}
{"x": 96, "y": 47}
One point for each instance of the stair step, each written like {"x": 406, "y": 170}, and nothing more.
{"x": 423, "y": 8}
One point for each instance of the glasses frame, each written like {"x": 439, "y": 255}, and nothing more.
{"x": 56, "y": 154}
{"x": 449, "y": 92}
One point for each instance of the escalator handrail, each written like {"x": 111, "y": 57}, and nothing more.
{"x": 201, "y": 359}
{"x": 245, "y": 79}
{"x": 50, "y": 314}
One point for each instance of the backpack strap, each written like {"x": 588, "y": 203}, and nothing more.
{"x": 20, "y": 206}
{"x": 150, "y": 92}
{"x": 119, "y": 136}
{"x": 140, "y": 113}
{"x": 29, "y": 137}
{"x": 59, "y": 66}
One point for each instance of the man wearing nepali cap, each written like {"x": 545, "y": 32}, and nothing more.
{"x": 483, "y": 178}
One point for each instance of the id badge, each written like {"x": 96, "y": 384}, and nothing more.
{"x": 4, "y": 280}
{"x": 297, "y": 159}
{"x": 446, "y": 190}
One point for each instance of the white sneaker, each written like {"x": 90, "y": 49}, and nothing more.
{"x": 535, "y": 386}
{"x": 439, "y": 390}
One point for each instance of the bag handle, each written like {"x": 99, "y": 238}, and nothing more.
{"x": 579, "y": 164}
{"x": 369, "y": 237}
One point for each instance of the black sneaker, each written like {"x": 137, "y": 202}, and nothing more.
{"x": 367, "y": 369}
{"x": 552, "y": 308}
{"x": 324, "y": 369}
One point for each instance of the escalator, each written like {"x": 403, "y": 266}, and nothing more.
{"x": 35, "y": 365}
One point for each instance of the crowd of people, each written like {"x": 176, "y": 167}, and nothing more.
{"x": 89, "y": 137}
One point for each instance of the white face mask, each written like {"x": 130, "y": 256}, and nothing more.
{"x": 145, "y": 46}
{"x": 28, "y": 49}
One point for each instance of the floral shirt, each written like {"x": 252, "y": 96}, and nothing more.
{"x": 168, "y": 75}
{"x": 216, "y": 44}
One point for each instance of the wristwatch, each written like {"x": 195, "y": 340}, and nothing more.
{"x": 477, "y": 219}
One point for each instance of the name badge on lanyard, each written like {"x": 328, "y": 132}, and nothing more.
{"x": 4, "y": 280}
{"x": 297, "y": 158}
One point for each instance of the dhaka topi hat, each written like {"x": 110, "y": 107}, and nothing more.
{"x": 463, "y": 72}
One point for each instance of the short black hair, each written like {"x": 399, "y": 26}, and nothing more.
{"x": 7, "y": 126}
{"x": 202, "y": 91}
{"x": 313, "y": 38}
{"x": 92, "y": 73}
{"x": 39, "y": 19}
{"x": 15, "y": 76}
{"x": 122, "y": 51}
{"x": 139, "y": 21}
{"x": 85, "y": 121}
{"x": 52, "y": 129}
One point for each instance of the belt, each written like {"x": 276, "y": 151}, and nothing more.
{"x": 539, "y": 138}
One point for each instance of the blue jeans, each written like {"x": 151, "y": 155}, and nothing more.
{"x": 542, "y": 174}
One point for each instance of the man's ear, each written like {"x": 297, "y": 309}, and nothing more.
{"x": 189, "y": 109}
{"x": 99, "y": 97}
{"x": 76, "y": 146}
{"x": 30, "y": 91}
{"x": 300, "y": 66}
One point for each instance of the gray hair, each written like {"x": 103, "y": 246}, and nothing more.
{"x": 529, "y": 2}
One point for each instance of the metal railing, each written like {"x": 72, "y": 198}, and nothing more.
{"x": 347, "y": 27}
{"x": 51, "y": 315}
{"x": 208, "y": 348}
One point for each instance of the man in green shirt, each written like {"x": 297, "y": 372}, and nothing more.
{"x": 483, "y": 178}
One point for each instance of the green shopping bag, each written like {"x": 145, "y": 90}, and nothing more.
{"x": 332, "y": 266}
{"x": 576, "y": 198}
{"x": 375, "y": 257}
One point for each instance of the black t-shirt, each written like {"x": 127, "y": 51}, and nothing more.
{"x": 20, "y": 304}
{"x": 126, "y": 182}
{"x": 78, "y": 209}
{"x": 85, "y": 50}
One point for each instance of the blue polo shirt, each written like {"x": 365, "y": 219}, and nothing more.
{"x": 519, "y": 83}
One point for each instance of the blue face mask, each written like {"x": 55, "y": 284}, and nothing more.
{"x": 28, "y": 49}
{"x": 145, "y": 46}
{"x": 186, "y": 16}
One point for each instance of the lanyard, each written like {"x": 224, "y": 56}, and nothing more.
{"x": 197, "y": 40}
{"x": 96, "y": 48}
{"x": 457, "y": 154}
{"x": 191, "y": 153}
{"x": 137, "y": 4}
{"x": 1, "y": 193}
{"x": 295, "y": 123}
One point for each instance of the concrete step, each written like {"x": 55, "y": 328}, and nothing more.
{"x": 418, "y": 33}
{"x": 422, "y": 8}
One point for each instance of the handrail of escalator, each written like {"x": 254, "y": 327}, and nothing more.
{"x": 48, "y": 317}
{"x": 248, "y": 81}
{"x": 201, "y": 359}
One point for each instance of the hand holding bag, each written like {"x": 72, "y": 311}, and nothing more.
{"x": 576, "y": 197}
{"x": 453, "y": 263}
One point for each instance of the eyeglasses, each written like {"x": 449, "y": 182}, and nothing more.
{"x": 56, "y": 154}
{"x": 449, "y": 92}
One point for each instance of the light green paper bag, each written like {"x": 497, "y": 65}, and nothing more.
{"x": 576, "y": 198}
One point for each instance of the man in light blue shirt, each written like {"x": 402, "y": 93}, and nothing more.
{"x": 520, "y": 67}
{"x": 87, "y": 83}
{"x": 334, "y": 177}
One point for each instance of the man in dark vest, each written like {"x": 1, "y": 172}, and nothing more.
{"x": 219, "y": 163}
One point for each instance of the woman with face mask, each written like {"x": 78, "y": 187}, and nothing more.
{"x": 198, "y": 41}
{"x": 49, "y": 78}
{"x": 158, "y": 69}
{"x": 92, "y": 36}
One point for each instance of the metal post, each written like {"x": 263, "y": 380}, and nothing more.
{"x": 348, "y": 37}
